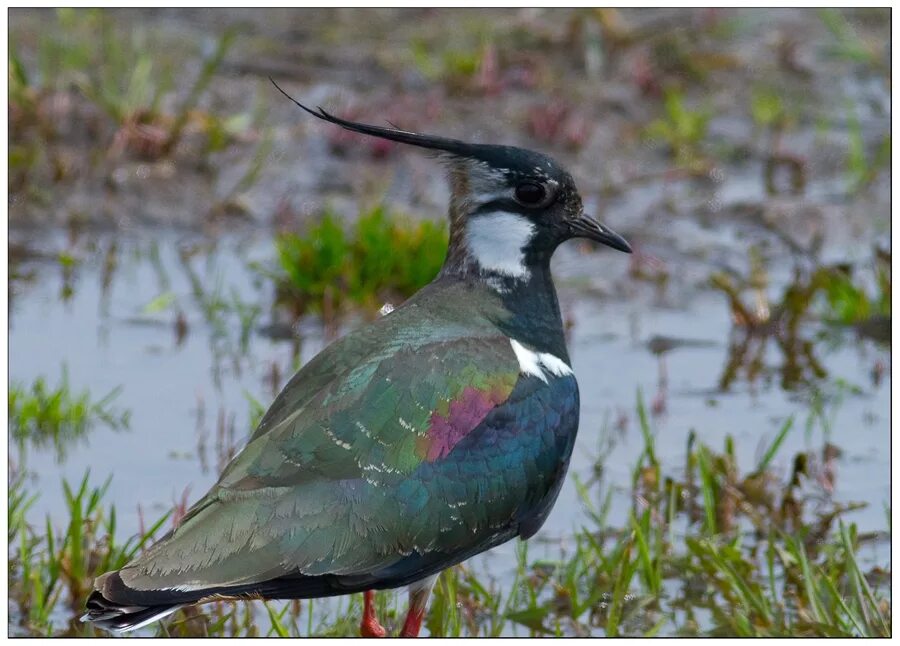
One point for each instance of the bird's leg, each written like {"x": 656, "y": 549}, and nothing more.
{"x": 418, "y": 603}
{"x": 370, "y": 626}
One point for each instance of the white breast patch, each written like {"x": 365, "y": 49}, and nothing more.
{"x": 539, "y": 364}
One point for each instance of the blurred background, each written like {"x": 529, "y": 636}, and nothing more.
{"x": 182, "y": 238}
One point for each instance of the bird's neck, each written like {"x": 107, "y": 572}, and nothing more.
{"x": 530, "y": 307}
{"x": 535, "y": 320}
{"x": 495, "y": 253}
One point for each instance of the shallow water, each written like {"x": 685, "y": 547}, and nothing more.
{"x": 179, "y": 392}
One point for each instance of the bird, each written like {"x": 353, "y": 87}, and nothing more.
{"x": 421, "y": 439}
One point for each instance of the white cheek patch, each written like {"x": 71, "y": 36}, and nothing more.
{"x": 539, "y": 364}
{"x": 496, "y": 242}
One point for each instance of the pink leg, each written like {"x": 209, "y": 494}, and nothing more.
{"x": 418, "y": 604}
{"x": 370, "y": 626}
{"x": 413, "y": 623}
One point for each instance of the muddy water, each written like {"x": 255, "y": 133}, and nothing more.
{"x": 186, "y": 385}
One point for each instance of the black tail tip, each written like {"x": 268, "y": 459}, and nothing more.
{"x": 114, "y": 617}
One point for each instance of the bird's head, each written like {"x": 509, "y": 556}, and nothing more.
{"x": 509, "y": 207}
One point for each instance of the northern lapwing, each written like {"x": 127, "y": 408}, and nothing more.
{"x": 430, "y": 435}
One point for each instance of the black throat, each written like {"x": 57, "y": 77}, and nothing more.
{"x": 535, "y": 320}
{"x": 531, "y": 313}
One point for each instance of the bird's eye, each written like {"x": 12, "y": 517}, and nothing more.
{"x": 530, "y": 194}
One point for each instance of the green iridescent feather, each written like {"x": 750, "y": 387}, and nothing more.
{"x": 332, "y": 481}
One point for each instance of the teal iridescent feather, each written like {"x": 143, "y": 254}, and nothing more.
{"x": 391, "y": 455}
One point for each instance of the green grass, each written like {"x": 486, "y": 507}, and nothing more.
{"x": 846, "y": 43}
{"x": 468, "y": 59}
{"x": 229, "y": 317}
{"x": 848, "y": 300}
{"x": 120, "y": 71}
{"x": 41, "y": 415}
{"x": 383, "y": 258}
{"x": 681, "y": 129}
{"x": 84, "y": 91}
{"x": 51, "y": 567}
{"x": 863, "y": 166}
{"x": 767, "y": 108}
{"x": 452, "y": 65}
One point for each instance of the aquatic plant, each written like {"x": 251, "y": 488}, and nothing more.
{"x": 768, "y": 109}
{"x": 465, "y": 69}
{"x": 682, "y": 129}
{"x": 384, "y": 258}
{"x": 848, "y": 301}
{"x": 827, "y": 293}
{"x": 864, "y": 166}
{"x": 51, "y": 568}
{"x": 846, "y": 43}
{"x": 85, "y": 79}
{"x": 40, "y": 415}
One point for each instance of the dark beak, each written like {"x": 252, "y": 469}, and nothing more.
{"x": 584, "y": 226}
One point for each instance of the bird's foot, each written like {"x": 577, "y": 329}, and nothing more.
{"x": 372, "y": 628}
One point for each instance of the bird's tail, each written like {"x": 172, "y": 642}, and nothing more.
{"x": 121, "y": 618}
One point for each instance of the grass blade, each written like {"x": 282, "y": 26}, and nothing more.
{"x": 769, "y": 455}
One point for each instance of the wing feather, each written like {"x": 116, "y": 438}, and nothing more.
{"x": 342, "y": 476}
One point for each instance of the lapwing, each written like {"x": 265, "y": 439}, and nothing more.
{"x": 413, "y": 443}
